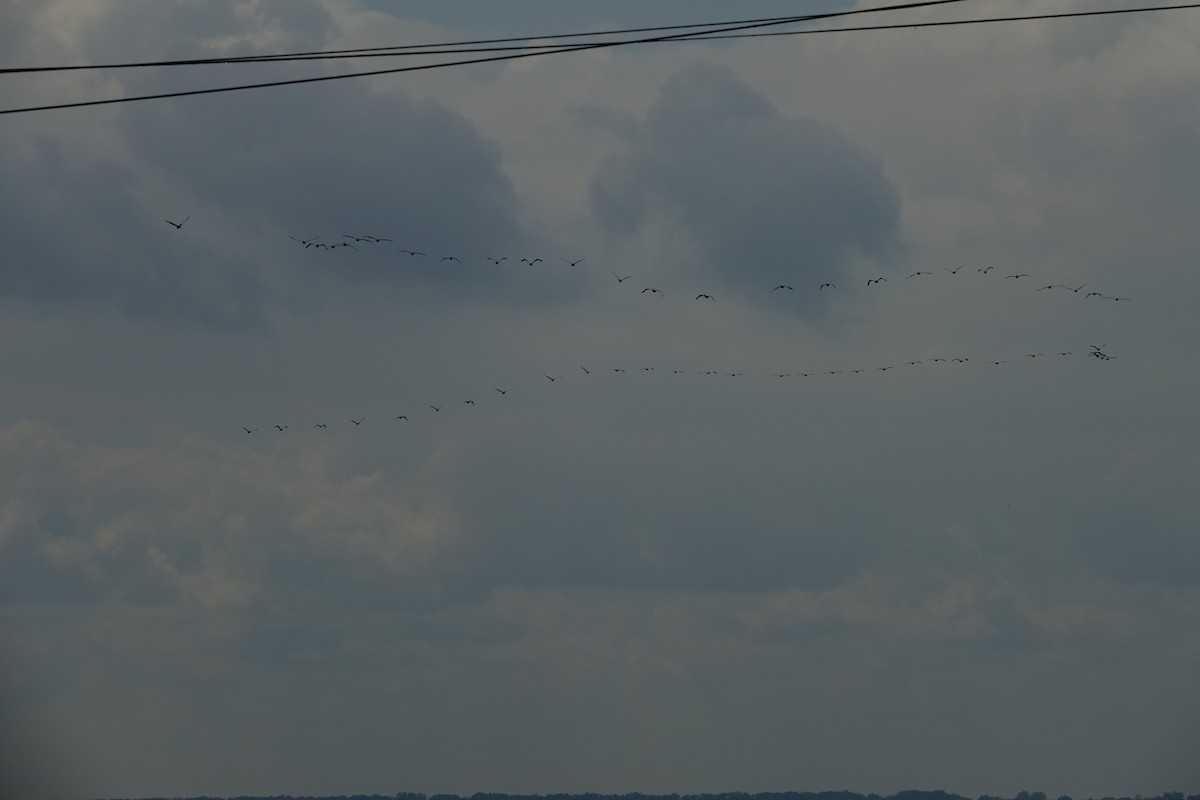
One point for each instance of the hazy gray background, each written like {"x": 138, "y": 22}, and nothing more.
{"x": 958, "y": 575}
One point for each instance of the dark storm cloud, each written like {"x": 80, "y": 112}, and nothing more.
{"x": 249, "y": 170}
{"x": 764, "y": 197}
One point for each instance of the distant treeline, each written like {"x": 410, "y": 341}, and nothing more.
{"x": 911, "y": 794}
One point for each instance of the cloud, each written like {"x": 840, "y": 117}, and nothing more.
{"x": 762, "y": 198}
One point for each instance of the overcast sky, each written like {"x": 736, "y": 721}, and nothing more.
{"x": 910, "y": 533}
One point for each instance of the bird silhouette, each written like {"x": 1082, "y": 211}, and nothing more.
{"x": 501, "y": 391}
{"x": 986, "y": 270}
{"x": 620, "y": 279}
{"x": 876, "y": 280}
{"x": 414, "y": 253}
{"x": 552, "y": 380}
{"x": 401, "y": 416}
{"x": 709, "y": 296}
{"x": 1076, "y": 290}
{"x": 249, "y": 430}
{"x": 451, "y": 258}
{"x": 586, "y": 371}
{"x": 653, "y": 291}
{"x": 320, "y": 425}
{"x": 435, "y": 408}
{"x": 177, "y": 225}
{"x": 955, "y": 270}
{"x": 358, "y": 421}
{"x": 1018, "y": 275}
{"x": 829, "y": 285}
{"x": 918, "y": 272}
{"x": 574, "y": 263}
{"x": 468, "y": 402}
{"x": 783, "y": 286}
{"x": 498, "y": 260}
{"x": 280, "y": 427}
{"x": 530, "y": 263}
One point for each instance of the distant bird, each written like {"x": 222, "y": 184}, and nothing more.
{"x": 552, "y": 380}
{"x": 653, "y": 291}
{"x": 876, "y": 280}
{"x": 915, "y": 274}
{"x": 530, "y": 263}
{"x": 677, "y": 371}
{"x": 620, "y": 279}
{"x": 1065, "y": 353}
{"x": 359, "y": 238}
{"x": 249, "y": 430}
{"x": 1092, "y": 294}
{"x": 616, "y": 369}
{"x": 342, "y": 244}
{"x": 412, "y": 252}
{"x": 829, "y": 285}
{"x": 783, "y": 286}
{"x": 1051, "y": 286}
{"x": 304, "y": 242}
{"x": 1034, "y": 355}
{"x": 937, "y": 359}
{"x": 735, "y": 374}
{"x": 177, "y": 225}
{"x": 1076, "y": 290}
{"x": 647, "y": 369}
{"x": 955, "y": 270}
{"x": 468, "y": 402}
{"x": 783, "y": 374}
{"x": 999, "y": 362}
{"x": 709, "y": 296}
{"x": 912, "y": 363}
{"x": 960, "y": 360}
{"x": 358, "y": 421}
{"x": 986, "y": 270}
{"x": 280, "y": 427}
{"x": 498, "y": 260}
{"x": 435, "y": 408}
{"x": 1106, "y": 297}
{"x": 501, "y": 391}
{"x": 882, "y": 369}
{"x": 586, "y": 371}
{"x": 401, "y": 416}
{"x": 451, "y": 258}
{"x": 320, "y": 425}
{"x": 1018, "y": 275}
{"x": 574, "y": 263}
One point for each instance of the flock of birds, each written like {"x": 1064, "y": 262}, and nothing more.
{"x": 353, "y": 241}
{"x": 1096, "y": 352}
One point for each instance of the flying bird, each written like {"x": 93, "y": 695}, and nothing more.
{"x": 401, "y": 416}
{"x": 709, "y": 296}
{"x": 413, "y": 252}
{"x": 1018, "y": 275}
{"x": 501, "y": 391}
{"x": 1052, "y": 286}
{"x": 451, "y": 258}
{"x": 358, "y": 421}
{"x": 653, "y": 291}
{"x": 986, "y": 270}
{"x": 586, "y": 371}
{"x": 918, "y": 272}
{"x": 783, "y": 286}
{"x": 552, "y": 380}
{"x": 830, "y": 285}
{"x": 620, "y": 279}
{"x": 1092, "y": 294}
{"x": 280, "y": 427}
{"x": 320, "y": 425}
{"x": 955, "y": 270}
{"x": 249, "y": 430}
{"x": 1076, "y": 290}
{"x": 498, "y": 260}
{"x": 435, "y": 408}
{"x": 876, "y": 280}
{"x": 177, "y": 225}
{"x": 574, "y": 263}
{"x": 468, "y": 402}
{"x": 530, "y": 263}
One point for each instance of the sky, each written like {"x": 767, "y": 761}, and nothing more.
{"x": 904, "y": 531}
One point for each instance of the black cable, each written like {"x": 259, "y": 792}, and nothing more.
{"x": 425, "y": 49}
{"x": 508, "y": 57}
{"x": 709, "y": 35}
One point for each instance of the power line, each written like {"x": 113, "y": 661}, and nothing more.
{"x": 489, "y": 59}
{"x": 720, "y": 33}
{"x": 462, "y": 46}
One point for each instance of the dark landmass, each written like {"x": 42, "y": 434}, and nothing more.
{"x": 911, "y": 794}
